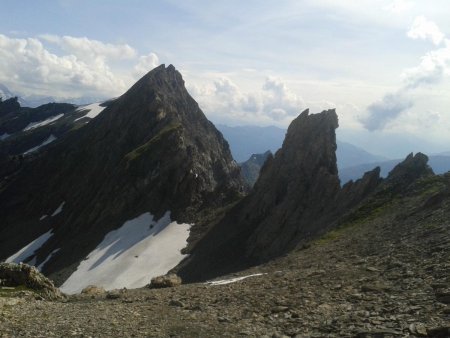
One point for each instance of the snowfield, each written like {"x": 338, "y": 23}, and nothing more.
{"x": 232, "y": 280}
{"x": 94, "y": 110}
{"x": 130, "y": 256}
{"x": 50, "y": 139}
{"x": 52, "y": 119}
{"x": 28, "y": 251}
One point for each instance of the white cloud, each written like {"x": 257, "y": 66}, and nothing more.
{"x": 80, "y": 67}
{"x": 399, "y": 6}
{"x": 434, "y": 66}
{"x": 145, "y": 64}
{"x": 87, "y": 49}
{"x": 432, "y": 69}
{"x": 274, "y": 103}
{"x": 424, "y": 29}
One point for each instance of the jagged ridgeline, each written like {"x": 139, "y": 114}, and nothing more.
{"x": 148, "y": 161}
{"x": 296, "y": 198}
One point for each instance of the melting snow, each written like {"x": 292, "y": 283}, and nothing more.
{"x": 28, "y": 251}
{"x": 50, "y": 139}
{"x": 232, "y": 280}
{"x": 4, "y": 136}
{"x": 33, "y": 125}
{"x": 94, "y": 110}
{"x": 47, "y": 259}
{"x": 131, "y": 255}
{"x": 59, "y": 209}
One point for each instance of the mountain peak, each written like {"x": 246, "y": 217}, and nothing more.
{"x": 150, "y": 152}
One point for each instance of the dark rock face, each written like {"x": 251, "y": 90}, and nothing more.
{"x": 250, "y": 169}
{"x": 9, "y": 106}
{"x": 406, "y": 172}
{"x": 295, "y": 186}
{"x": 353, "y": 193}
{"x": 151, "y": 150}
{"x": 288, "y": 202}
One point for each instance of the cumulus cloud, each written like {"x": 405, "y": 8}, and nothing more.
{"x": 380, "y": 113}
{"x": 272, "y": 103}
{"x": 145, "y": 64}
{"x": 432, "y": 69}
{"x": 424, "y": 29}
{"x": 84, "y": 48}
{"x": 68, "y": 66}
{"x": 434, "y": 66}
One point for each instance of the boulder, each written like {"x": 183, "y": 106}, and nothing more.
{"x": 93, "y": 290}
{"x": 14, "y": 275}
{"x": 166, "y": 281}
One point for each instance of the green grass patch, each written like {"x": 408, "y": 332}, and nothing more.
{"x": 10, "y": 291}
{"x": 142, "y": 149}
{"x": 369, "y": 211}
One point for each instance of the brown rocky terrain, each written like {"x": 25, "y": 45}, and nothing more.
{"x": 384, "y": 272}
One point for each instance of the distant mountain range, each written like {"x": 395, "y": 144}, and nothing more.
{"x": 34, "y": 101}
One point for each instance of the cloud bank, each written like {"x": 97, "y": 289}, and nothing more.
{"x": 432, "y": 69}
{"x": 272, "y": 103}
{"x": 58, "y": 65}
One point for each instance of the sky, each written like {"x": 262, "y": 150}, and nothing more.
{"x": 384, "y": 65}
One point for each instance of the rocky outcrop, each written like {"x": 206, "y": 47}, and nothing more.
{"x": 93, "y": 290}
{"x": 151, "y": 150}
{"x": 406, "y": 172}
{"x": 250, "y": 169}
{"x": 9, "y": 106}
{"x": 166, "y": 281}
{"x": 288, "y": 202}
{"x": 295, "y": 186}
{"x": 353, "y": 193}
{"x": 16, "y": 275}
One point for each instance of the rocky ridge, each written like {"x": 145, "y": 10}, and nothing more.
{"x": 296, "y": 197}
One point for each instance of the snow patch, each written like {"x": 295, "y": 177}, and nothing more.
{"x": 59, "y": 209}
{"x": 43, "y": 217}
{"x": 28, "y": 251}
{"x": 232, "y": 280}
{"x": 50, "y": 139}
{"x": 94, "y": 110}
{"x": 34, "y": 125}
{"x": 130, "y": 256}
{"x": 47, "y": 259}
{"x": 4, "y": 136}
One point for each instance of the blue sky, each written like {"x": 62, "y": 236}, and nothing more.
{"x": 384, "y": 65}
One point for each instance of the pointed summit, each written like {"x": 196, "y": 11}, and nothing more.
{"x": 161, "y": 79}
{"x": 285, "y": 205}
